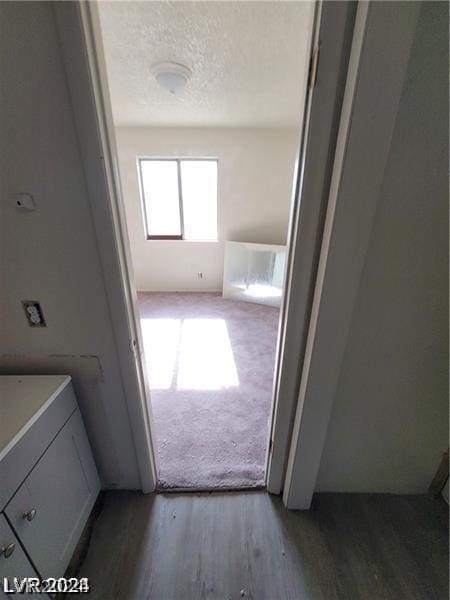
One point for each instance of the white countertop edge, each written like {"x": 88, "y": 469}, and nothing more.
{"x": 34, "y": 418}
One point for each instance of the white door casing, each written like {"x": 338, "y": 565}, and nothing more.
{"x": 346, "y": 230}
{"x": 80, "y": 39}
{"x": 332, "y": 36}
{"x": 379, "y": 58}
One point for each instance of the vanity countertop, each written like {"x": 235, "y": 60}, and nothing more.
{"x": 23, "y": 398}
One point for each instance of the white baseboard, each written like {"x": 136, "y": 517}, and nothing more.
{"x": 190, "y": 291}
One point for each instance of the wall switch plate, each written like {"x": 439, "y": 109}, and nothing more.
{"x": 34, "y": 314}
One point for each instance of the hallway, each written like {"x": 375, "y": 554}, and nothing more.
{"x": 247, "y": 545}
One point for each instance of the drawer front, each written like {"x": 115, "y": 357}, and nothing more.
{"x": 19, "y": 461}
{"x": 51, "y": 507}
{"x": 17, "y": 564}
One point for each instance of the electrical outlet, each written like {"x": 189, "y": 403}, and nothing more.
{"x": 34, "y": 314}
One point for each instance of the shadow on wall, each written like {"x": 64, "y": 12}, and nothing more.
{"x": 267, "y": 233}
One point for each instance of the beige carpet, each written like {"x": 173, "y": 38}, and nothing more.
{"x": 210, "y": 364}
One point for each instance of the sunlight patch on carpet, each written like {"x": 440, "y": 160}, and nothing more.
{"x": 188, "y": 354}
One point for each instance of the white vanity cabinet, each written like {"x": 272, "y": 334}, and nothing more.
{"x": 49, "y": 481}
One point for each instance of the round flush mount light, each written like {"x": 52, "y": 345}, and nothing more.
{"x": 171, "y": 76}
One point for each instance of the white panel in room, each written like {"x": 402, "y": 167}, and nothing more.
{"x": 254, "y": 272}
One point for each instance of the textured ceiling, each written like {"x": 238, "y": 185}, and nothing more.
{"x": 248, "y": 61}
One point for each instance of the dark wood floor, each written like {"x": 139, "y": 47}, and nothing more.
{"x": 246, "y": 545}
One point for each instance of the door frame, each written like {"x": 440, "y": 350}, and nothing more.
{"x": 79, "y": 28}
{"x": 331, "y": 39}
{"x": 78, "y": 25}
{"x": 381, "y": 45}
{"x": 79, "y": 36}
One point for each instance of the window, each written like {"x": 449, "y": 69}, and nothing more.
{"x": 179, "y": 198}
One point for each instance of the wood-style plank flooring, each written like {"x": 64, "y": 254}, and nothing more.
{"x": 246, "y": 545}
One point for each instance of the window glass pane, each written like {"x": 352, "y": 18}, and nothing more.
{"x": 160, "y": 189}
{"x": 199, "y": 186}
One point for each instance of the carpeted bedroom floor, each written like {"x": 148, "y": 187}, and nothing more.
{"x": 210, "y": 363}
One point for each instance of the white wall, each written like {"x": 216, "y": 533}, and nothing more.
{"x": 389, "y": 424}
{"x": 254, "y": 195}
{"x": 50, "y": 255}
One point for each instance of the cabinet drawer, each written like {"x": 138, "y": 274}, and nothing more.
{"x": 16, "y": 465}
{"x": 50, "y": 509}
{"x": 17, "y": 564}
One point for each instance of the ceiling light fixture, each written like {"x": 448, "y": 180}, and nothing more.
{"x": 171, "y": 76}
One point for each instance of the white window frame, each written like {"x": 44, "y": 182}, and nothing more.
{"x": 178, "y": 160}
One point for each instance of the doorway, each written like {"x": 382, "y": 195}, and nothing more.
{"x": 209, "y": 331}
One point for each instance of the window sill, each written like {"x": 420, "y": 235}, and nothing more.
{"x": 176, "y": 240}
